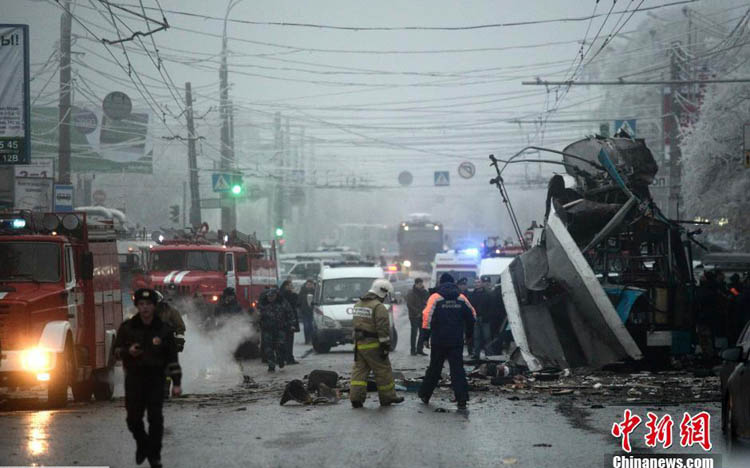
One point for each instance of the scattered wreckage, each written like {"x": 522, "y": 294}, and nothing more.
{"x": 611, "y": 277}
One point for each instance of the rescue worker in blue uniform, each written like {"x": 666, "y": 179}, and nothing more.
{"x": 146, "y": 345}
{"x": 446, "y": 318}
{"x": 276, "y": 320}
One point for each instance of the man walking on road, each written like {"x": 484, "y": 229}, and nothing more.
{"x": 275, "y": 323}
{"x": 416, "y": 299}
{"x": 372, "y": 343}
{"x": 147, "y": 348}
{"x": 291, "y": 298}
{"x": 447, "y": 317}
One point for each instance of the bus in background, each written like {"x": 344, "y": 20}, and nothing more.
{"x": 419, "y": 239}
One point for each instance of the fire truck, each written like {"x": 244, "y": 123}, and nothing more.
{"x": 198, "y": 269}
{"x": 60, "y": 304}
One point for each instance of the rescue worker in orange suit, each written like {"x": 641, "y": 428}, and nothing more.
{"x": 148, "y": 351}
{"x": 372, "y": 343}
{"x": 446, "y": 319}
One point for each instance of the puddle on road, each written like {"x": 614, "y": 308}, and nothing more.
{"x": 38, "y": 433}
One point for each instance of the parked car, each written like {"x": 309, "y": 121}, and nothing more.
{"x": 735, "y": 390}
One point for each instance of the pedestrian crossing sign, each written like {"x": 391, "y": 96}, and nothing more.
{"x": 442, "y": 178}
{"x": 221, "y": 182}
{"x": 627, "y": 126}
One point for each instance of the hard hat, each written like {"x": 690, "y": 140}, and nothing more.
{"x": 381, "y": 288}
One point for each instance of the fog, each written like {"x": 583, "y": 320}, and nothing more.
{"x": 355, "y": 107}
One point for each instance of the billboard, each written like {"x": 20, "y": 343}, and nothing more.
{"x": 15, "y": 137}
{"x": 33, "y": 194}
{"x": 98, "y": 143}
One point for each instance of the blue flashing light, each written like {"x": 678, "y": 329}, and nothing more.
{"x": 19, "y": 223}
{"x": 474, "y": 252}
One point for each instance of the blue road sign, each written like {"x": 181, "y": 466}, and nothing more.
{"x": 442, "y": 178}
{"x": 221, "y": 182}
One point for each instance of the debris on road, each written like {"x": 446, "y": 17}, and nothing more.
{"x": 295, "y": 390}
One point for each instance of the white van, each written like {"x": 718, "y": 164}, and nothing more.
{"x": 340, "y": 286}
{"x": 461, "y": 264}
{"x": 493, "y": 267}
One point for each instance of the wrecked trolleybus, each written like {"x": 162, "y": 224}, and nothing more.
{"x": 612, "y": 276}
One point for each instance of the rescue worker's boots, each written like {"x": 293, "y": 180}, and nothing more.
{"x": 394, "y": 401}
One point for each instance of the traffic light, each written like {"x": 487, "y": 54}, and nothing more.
{"x": 279, "y": 232}
{"x": 174, "y": 213}
{"x": 236, "y": 187}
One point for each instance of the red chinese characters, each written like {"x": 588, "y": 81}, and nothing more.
{"x": 659, "y": 430}
{"x": 623, "y": 429}
{"x": 696, "y": 430}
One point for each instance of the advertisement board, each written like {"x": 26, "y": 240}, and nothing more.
{"x": 98, "y": 143}
{"x": 15, "y": 134}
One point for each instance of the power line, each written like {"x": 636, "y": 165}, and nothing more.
{"x": 419, "y": 28}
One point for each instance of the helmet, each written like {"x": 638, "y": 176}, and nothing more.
{"x": 145, "y": 294}
{"x": 381, "y": 288}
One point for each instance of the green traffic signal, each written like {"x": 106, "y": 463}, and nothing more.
{"x": 236, "y": 189}
{"x": 279, "y": 232}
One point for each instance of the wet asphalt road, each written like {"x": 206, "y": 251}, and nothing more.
{"x": 233, "y": 426}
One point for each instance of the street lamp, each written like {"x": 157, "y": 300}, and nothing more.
{"x": 228, "y": 214}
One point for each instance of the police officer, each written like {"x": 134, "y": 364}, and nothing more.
{"x": 372, "y": 343}
{"x": 275, "y": 323}
{"x": 447, "y": 316}
{"x": 146, "y": 345}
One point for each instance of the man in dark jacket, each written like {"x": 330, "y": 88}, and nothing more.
{"x": 483, "y": 299}
{"x": 305, "y": 309}
{"x": 147, "y": 348}
{"x": 416, "y": 299}
{"x": 275, "y": 322}
{"x": 446, "y": 318}
{"x": 291, "y": 298}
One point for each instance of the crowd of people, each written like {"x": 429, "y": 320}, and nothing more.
{"x": 722, "y": 308}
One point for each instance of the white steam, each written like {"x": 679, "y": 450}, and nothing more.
{"x": 208, "y": 363}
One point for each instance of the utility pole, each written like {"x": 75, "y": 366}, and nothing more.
{"x": 195, "y": 198}
{"x": 63, "y": 142}
{"x": 184, "y": 201}
{"x": 675, "y": 154}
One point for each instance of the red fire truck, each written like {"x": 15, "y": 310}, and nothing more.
{"x": 199, "y": 270}
{"x": 60, "y": 304}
